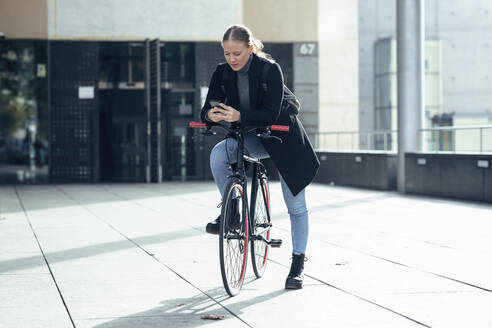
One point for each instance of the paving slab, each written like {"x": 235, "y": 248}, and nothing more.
{"x": 136, "y": 255}
{"x": 31, "y": 300}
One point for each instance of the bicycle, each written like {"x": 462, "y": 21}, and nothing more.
{"x": 234, "y": 236}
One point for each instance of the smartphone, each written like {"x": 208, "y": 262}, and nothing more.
{"x": 214, "y": 103}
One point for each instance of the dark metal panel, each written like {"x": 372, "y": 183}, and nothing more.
{"x": 487, "y": 174}
{"x": 445, "y": 175}
{"x": 154, "y": 112}
{"x": 392, "y": 163}
{"x": 413, "y": 183}
{"x": 461, "y": 178}
{"x": 374, "y": 171}
{"x": 449, "y": 175}
{"x": 283, "y": 53}
{"x": 148, "y": 157}
{"x": 371, "y": 170}
{"x": 430, "y": 174}
{"x": 306, "y": 84}
{"x": 330, "y": 168}
{"x": 422, "y": 178}
{"x": 207, "y": 56}
{"x": 73, "y": 121}
{"x": 352, "y": 171}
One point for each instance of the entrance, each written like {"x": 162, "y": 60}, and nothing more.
{"x": 178, "y": 100}
{"x": 179, "y": 148}
{"x": 146, "y": 99}
{"x": 123, "y": 137}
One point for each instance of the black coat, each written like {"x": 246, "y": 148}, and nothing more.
{"x": 294, "y": 157}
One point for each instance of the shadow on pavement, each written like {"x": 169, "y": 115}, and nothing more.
{"x": 58, "y": 196}
{"x": 93, "y": 250}
{"x": 187, "y": 312}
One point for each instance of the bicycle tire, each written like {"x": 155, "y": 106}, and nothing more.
{"x": 233, "y": 241}
{"x": 261, "y": 216}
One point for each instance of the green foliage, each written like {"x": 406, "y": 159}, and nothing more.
{"x": 13, "y": 114}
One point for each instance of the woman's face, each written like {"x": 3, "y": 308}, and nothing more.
{"x": 236, "y": 53}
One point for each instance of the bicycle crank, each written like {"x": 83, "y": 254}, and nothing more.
{"x": 274, "y": 243}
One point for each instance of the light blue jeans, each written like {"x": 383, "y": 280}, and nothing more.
{"x": 296, "y": 205}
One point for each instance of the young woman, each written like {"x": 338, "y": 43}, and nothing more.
{"x": 244, "y": 101}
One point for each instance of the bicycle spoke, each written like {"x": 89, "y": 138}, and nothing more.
{"x": 233, "y": 244}
{"x": 261, "y": 229}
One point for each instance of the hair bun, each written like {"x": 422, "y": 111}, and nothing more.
{"x": 244, "y": 34}
{"x": 257, "y": 44}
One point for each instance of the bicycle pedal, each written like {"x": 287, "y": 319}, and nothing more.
{"x": 275, "y": 243}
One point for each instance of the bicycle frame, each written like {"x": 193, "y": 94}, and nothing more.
{"x": 239, "y": 172}
{"x": 230, "y": 257}
{"x": 254, "y": 187}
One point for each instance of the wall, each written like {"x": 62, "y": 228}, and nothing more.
{"x": 363, "y": 170}
{"x": 442, "y": 175}
{"x": 281, "y": 20}
{"x": 464, "y": 50}
{"x": 449, "y": 175}
{"x": 195, "y": 20}
{"x": 24, "y": 19}
{"x": 465, "y": 29}
{"x": 377, "y": 20}
{"x": 338, "y": 66}
{"x": 306, "y": 76}
{"x": 296, "y": 22}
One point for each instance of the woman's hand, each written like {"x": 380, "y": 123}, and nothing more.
{"x": 214, "y": 115}
{"x": 225, "y": 113}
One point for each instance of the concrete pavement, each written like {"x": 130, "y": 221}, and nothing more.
{"x": 136, "y": 255}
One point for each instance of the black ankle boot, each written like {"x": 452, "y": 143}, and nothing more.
{"x": 295, "y": 278}
{"x": 214, "y": 226}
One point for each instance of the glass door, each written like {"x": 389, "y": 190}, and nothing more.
{"x": 179, "y": 147}
{"x": 24, "y": 153}
{"x": 178, "y": 109}
{"x": 123, "y": 132}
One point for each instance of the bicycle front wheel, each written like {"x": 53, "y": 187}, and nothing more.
{"x": 233, "y": 237}
{"x": 261, "y": 227}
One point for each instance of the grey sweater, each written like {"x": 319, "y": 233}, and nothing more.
{"x": 243, "y": 85}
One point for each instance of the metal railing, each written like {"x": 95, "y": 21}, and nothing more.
{"x": 385, "y": 141}
{"x": 457, "y": 139}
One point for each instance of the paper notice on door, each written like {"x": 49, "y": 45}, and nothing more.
{"x": 41, "y": 71}
{"x": 86, "y": 92}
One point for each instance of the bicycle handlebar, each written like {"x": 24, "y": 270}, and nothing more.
{"x": 273, "y": 127}
{"x": 198, "y": 125}
{"x": 276, "y": 127}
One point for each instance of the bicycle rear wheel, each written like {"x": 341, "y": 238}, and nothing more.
{"x": 261, "y": 227}
{"x": 233, "y": 238}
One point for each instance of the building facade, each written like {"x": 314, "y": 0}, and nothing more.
{"x": 458, "y": 84}
{"x": 103, "y": 91}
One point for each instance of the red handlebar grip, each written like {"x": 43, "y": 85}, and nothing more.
{"x": 280, "y": 128}
{"x": 197, "y": 125}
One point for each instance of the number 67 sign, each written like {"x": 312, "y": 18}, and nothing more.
{"x": 307, "y": 49}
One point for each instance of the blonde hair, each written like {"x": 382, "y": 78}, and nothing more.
{"x": 244, "y": 34}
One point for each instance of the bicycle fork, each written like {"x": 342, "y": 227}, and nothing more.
{"x": 258, "y": 174}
